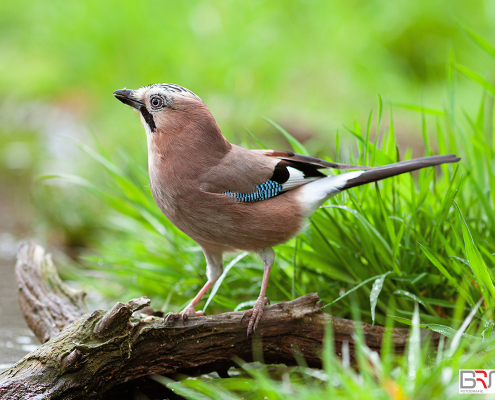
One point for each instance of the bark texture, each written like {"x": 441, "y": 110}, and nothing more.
{"x": 47, "y": 303}
{"x": 86, "y": 355}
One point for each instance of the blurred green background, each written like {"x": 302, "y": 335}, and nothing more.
{"x": 314, "y": 67}
{"x": 310, "y": 65}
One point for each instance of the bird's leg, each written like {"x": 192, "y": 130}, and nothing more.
{"x": 214, "y": 268}
{"x": 189, "y": 310}
{"x": 267, "y": 256}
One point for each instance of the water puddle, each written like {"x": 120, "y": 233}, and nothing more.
{"x": 15, "y": 343}
{"x": 16, "y": 339}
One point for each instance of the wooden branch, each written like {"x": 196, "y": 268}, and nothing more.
{"x": 97, "y": 351}
{"x": 47, "y": 303}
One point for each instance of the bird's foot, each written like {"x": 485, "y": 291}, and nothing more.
{"x": 184, "y": 315}
{"x": 255, "y": 313}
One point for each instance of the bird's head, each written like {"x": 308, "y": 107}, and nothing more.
{"x": 164, "y": 106}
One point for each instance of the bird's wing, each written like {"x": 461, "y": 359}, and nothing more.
{"x": 309, "y": 161}
{"x": 255, "y": 175}
{"x": 294, "y": 170}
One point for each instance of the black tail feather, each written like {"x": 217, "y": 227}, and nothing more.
{"x": 398, "y": 168}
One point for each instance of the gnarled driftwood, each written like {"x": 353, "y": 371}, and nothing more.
{"x": 86, "y": 355}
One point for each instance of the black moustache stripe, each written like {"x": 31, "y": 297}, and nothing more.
{"x": 148, "y": 118}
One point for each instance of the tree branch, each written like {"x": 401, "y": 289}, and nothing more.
{"x": 97, "y": 351}
{"x": 47, "y": 303}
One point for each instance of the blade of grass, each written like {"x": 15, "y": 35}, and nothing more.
{"x": 444, "y": 272}
{"x": 375, "y": 292}
{"x": 414, "y": 347}
{"x": 490, "y": 88}
{"x": 459, "y": 334}
{"x": 296, "y": 145}
{"x": 260, "y": 143}
{"x": 423, "y": 110}
{"x": 476, "y": 262}
{"x": 373, "y": 278}
{"x": 217, "y": 284}
{"x": 481, "y": 42}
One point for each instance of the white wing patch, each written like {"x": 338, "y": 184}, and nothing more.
{"x": 314, "y": 194}
{"x": 296, "y": 179}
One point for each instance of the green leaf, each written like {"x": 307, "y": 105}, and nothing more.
{"x": 366, "y": 142}
{"x": 375, "y": 292}
{"x": 423, "y": 110}
{"x": 260, "y": 143}
{"x": 414, "y": 346}
{"x": 450, "y": 333}
{"x": 480, "y": 41}
{"x": 476, "y": 78}
{"x": 405, "y": 321}
{"x": 444, "y": 272}
{"x": 395, "y": 252}
{"x": 296, "y": 145}
{"x": 370, "y": 229}
{"x": 459, "y": 334}
{"x": 337, "y": 146}
{"x": 380, "y": 108}
{"x": 249, "y": 303}
{"x": 373, "y": 278}
{"x": 476, "y": 262}
{"x": 408, "y": 294}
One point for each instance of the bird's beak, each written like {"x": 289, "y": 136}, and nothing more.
{"x": 126, "y": 96}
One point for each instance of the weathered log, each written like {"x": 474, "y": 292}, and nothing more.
{"x": 97, "y": 351}
{"x": 47, "y": 303}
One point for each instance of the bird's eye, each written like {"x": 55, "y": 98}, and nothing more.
{"x": 156, "y": 102}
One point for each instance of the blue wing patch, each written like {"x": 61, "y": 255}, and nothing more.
{"x": 264, "y": 191}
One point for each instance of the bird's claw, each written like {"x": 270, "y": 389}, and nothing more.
{"x": 170, "y": 316}
{"x": 255, "y": 314}
{"x": 183, "y": 315}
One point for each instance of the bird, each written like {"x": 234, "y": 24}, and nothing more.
{"x": 228, "y": 198}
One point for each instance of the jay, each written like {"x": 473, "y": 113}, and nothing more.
{"x": 228, "y": 198}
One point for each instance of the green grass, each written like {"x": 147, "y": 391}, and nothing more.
{"x": 419, "y": 374}
{"x": 416, "y": 249}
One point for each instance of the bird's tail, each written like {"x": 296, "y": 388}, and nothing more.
{"x": 314, "y": 194}
{"x": 398, "y": 168}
